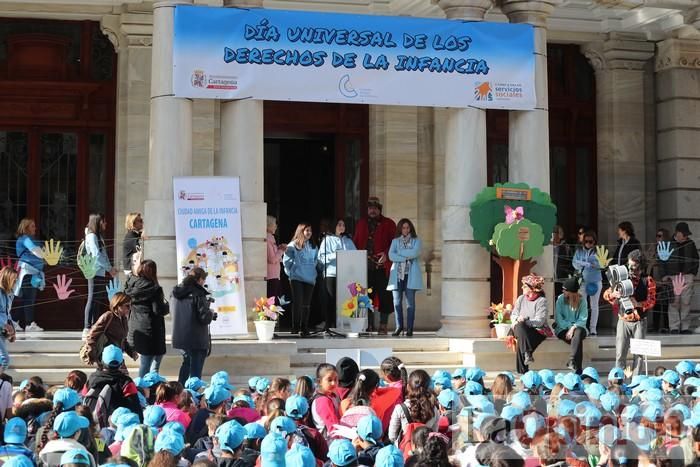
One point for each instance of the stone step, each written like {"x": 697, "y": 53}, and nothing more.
{"x": 397, "y": 344}
{"x": 410, "y": 358}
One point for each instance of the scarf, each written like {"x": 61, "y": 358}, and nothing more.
{"x": 403, "y": 266}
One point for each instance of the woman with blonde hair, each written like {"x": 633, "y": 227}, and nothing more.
{"x": 8, "y": 278}
{"x": 114, "y": 326}
{"x": 300, "y": 266}
{"x": 132, "y": 240}
{"x": 31, "y": 273}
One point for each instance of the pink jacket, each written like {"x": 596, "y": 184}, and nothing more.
{"x": 324, "y": 411}
{"x": 173, "y": 414}
{"x": 274, "y": 256}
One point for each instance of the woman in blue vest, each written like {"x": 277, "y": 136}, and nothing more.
{"x": 328, "y": 263}
{"x": 31, "y": 274}
{"x": 405, "y": 277}
{"x": 299, "y": 263}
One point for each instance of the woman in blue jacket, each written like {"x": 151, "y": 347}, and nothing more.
{"x": 299, "y": 263}
{"x": 8, "y": 279}
{"x": 31, "y": 273}
{"x": 328, "y": 263}
{"x": 405, "y": 276}
{"x": 586, "y": 263}
{"x": 97, "y": 301}
{"x": 570, "y": 317}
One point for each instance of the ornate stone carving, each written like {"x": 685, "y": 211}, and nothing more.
{"x": 110, "y": 25}
{"x": 528, "y": 11}
{"x": 678, "y": 53}
{"x": 618, "y": 52}
{"x": 473, "y": 10}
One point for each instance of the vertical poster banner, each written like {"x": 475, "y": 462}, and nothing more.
{"x": 208, "y": 235}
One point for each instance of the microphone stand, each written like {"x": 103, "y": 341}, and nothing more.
{"x": 328, "y": 332}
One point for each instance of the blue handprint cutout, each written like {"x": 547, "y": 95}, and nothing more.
{"x": 113, "y": 287}
{"x": 664, "y": 250}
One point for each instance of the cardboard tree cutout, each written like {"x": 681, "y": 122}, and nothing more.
{"x": 509, "y": 220}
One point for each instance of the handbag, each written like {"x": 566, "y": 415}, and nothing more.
{"x": 86, "y": 356}
{"x": 160, "y": 307}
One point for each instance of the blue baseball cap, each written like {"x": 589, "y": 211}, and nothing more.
{"x": 510, "y": 412}
{"x": 341, "y": 452}
{"x": 252, "y": 382}
{"x": 472, "y": 388}
{"x": 154, "y": 416}
{"x": 475, "y": 374}
{"x": 608, "y": 434}
{"x": 124, "y": 422}
{"x": 196, "y": 396}
{"x": 230, "y": 435}
{"x": 616, "y": 373}
{"x": 591, "y": 373}
{"x": 445, "y": 382}
{"x": 68, "y": 423}
{"x": 693, "y": 421}
{"x": 369, "y": 428}
{"x": 15, "y": 431}
{"x": 247, "y": 399}
{"x": 522, "y": 400}
{"x": 68, "y": 398}
{"x": 610, "y": 401}
{"x": 118, "y": 412}
{"x": 565, "y": 407}
{"x": 272, "y": 450}
{"x": 175, "y": 427}
{"x": 547, "y": 376}
{"x": 262, "y": 385}
{"x": 533, "y": 423}
{"x": 636, "y": 381}
{"x": 169, "y": 441}
{"x": 152, "y": 378}
{"x": 448, "y": 398}
{"x": 692, "y": 381}
{"x": 685, "y": 367}
{"x": 23, "y": 384}
{"x": 671, "y": 377}
{"x": 440, "y": 374}
{"x": 652, "y": 395}
{"x": 299, "y": 456}
{"x": 588, "y": 414}
{"x": 697, "y": 368}
{"x": 640, "y": 435}
{"x": 216, "y": 395}
{"x": 296, "y": 406}
{"x": 18, "y": 461}
{"x": 254, "y": 431}
{"x": 571, "y": 381}
{"x": 481, "y": 404}
{"x": 531, "y": 380}
{"x": 389, "y": 456}
{"x": 631, "y": 413}
{"x": 509, "y": 375}
{"x": 283, "y": 425}
{"x": 649, "y": 383}
{"x": 653, "y": 412}
{"x": 595, "y": 390}
{"x": 221, "y": 378}
{"x": 194, "y": 383}
{"x": 138, "y": 381}
{"x": 683, "y": 409}
{"x": 75, "y": 456}
{"x": 112, "y": 356}
{"x": 459, "y": 373}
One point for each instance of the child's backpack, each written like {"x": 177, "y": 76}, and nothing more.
{"x": 406, "y": 443}
{"x": 99, "y": 403}
{"x": 138, "y": 445}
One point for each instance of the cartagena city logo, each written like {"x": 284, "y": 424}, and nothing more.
{"x": 199, "y": 79}
{"x": 185, "y": 196}
{"x": 346, "y": 88}
{"x": 483, "y": 91}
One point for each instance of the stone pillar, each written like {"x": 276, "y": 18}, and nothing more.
{"x": 170, "y": 153}
{"x": 465, "y": 265}
{"x": 242, "y": 155}
{"x": 678, "y": 136}
{"x": 619, "y": 65}
{"x": 528, "y": 131}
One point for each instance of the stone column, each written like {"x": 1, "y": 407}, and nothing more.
{"x": 619, "y": 65}
{"x": 465, "y": 264}
{"x": 678, "y": 135}
{"x": 528, "y": 131}
{"x": 170, "y": 153}
{"x": 242, "y": 155}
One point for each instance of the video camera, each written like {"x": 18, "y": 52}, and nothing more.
{"x": 620, "y": 282}
{"x": 215, "y": 314}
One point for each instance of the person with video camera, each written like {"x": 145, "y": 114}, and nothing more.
{"x": 632, "y": 309}
{"x": 191, "y": 318}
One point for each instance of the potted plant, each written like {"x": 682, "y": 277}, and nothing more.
{"x": 267, "y": 313}
{"x": 500, "y": 319}
{"x": 356, "y": 307}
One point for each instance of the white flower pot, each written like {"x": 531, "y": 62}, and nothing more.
{"x": 265, "y": 330}
{"x": 502, "y": 330}
{"x": 357, "y": 325}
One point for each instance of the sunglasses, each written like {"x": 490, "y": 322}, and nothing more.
{"x": 659, "y": 235}
{"x": 588, "y": 242}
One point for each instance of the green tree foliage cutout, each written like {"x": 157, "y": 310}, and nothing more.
{"x": 519, "y": 240}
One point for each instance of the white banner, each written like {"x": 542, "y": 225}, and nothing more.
{"x": 208, "y": 235}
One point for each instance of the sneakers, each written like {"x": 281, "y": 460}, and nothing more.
{"x": 34, "y": 327}
{"x": 527, "y": 358}
{"x": 17, "y": 327}
{"x": 570, "y": 365}
{"x": 86, "y": 331}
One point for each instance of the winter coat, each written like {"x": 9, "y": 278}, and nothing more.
{"x": 146, "y": 322}
{"x": 384, "y": 233}
{"x": 129, "y": 247}
{"x": 623, "y": 250}
{"x": 327, "y": 253}
{"x": 300, "y": 265}
{"x": 191, "y": 316}
{"x": 115, "y": 328}
{"x": 565, "y": 317}
{"x": 124, "y": 391}
{"x": 398, "y": 254}
{"x": 684, "y": 259}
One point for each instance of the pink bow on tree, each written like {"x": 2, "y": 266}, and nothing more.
{"x": 514, "y": 215}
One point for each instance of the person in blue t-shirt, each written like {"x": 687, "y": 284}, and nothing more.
{"x": 31, "y": 274}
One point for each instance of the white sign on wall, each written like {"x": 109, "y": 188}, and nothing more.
{"x": 648, "y": 347}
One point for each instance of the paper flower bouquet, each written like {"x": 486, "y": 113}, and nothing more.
{"x": 359, "y": 302}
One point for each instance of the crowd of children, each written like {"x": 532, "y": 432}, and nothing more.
{"x": 344, "y": 416}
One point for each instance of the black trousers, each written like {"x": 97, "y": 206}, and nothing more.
{"x": 328, "y": 301}
{"x": 377, "y": 281}
{"x": 528, "y": 340}
{"x": 576, "y": 347}
{"x": 302, "y": 293}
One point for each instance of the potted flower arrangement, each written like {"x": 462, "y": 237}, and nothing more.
{"x": 267, "y": 315}
{"x": 356, "y": 307}
{"x": 499, "y": 317}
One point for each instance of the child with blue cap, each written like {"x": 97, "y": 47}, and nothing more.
{"x": 272, "y": 450}
{"x": 243, "y": 407}
{"x": 217, "y": 398}
{"x": 341, "y": 453}
{"x": 229, "y": 437}
{"x": 75, "y": 458}
{"x": 299, "y": 456}
{"x": 67, "y": 426}
{"x": 124, "y": 392}
{"x": 297, "y": 409}
{"x": 206, "y": 443}
{"x": 254, "y": 434}
{"x": 389, "y": 456}
{"x": 15, "y": 435}
{"x": 368, "y": 440}
{"x": 171, "y": 442}
{"x": 154, "y": 416}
